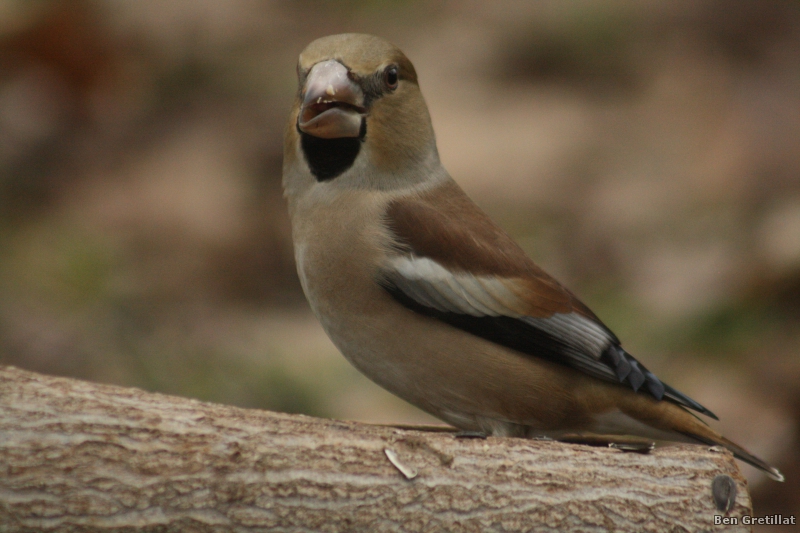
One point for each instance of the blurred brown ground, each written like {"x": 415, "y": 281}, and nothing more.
{"x": 645, "y": 153}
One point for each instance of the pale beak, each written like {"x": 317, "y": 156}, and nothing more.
{"x": 333, "y": 105}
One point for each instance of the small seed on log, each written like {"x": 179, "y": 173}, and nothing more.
{"x": 407, "y": 471}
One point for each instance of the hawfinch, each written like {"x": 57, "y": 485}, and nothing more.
{"x": 428, "y": 297}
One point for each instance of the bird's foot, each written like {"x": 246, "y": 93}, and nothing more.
{"x": 470, "y": 435}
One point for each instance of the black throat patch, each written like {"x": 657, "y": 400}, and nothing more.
{"x": 328, "y": 158}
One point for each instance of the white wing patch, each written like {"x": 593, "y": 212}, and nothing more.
{"x": 432, "y": 285}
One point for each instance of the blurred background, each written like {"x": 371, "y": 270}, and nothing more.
{"x": 646, "y": 153}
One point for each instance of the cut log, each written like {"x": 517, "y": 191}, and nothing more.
{"x": 79, "y": 456}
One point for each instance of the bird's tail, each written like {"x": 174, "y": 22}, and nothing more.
{"x": 673, "y": 418}
{"x": 714, "y": 439}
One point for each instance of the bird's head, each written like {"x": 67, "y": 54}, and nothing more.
{"x": 359, "y": 116}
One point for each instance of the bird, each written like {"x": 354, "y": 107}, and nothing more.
{"x": 429, "y": 298}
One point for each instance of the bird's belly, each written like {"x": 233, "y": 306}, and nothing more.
{"x": 462, "y": 379}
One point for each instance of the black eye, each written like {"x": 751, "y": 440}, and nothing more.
{"x": 390, "y": 77}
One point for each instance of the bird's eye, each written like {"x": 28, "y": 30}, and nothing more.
{"x": 390, "y": 77}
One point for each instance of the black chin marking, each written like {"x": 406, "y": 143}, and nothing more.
{"x": 329, "y": 158}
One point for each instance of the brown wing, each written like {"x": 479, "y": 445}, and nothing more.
{"x": 454, "y": 264}
{"x": 447, "y": 227}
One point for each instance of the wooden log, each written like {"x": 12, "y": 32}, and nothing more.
{"x": 79, "y": 456}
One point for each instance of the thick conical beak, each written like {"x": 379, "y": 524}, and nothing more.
{"x": 333, "y": 105}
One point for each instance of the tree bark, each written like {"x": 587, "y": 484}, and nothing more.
{"x": 78, "y": 456}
